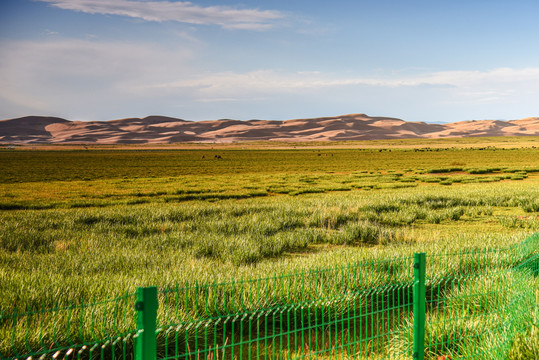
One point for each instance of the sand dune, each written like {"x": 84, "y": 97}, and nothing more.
{"x": 161, "y": 129}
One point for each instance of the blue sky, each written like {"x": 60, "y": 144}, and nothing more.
{"x": 432, "y": 61}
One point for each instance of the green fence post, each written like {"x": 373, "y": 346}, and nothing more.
{"x": 419, "y": 306}
{"x": 146, "y": 307}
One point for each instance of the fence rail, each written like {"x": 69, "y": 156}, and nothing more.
{"x": 471, "y": 304}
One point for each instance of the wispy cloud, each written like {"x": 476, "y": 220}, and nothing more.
{"x": 494, "y": 84}
{"x": 91, "y": 79}
{"x": 80, "y": 76}
{"x": 435, "y": 96}
{"x": 185, "y": 12}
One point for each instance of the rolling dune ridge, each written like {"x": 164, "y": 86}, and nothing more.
{"x": 161, "y": 129}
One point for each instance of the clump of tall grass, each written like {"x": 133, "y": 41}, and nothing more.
{"x": 445, "y": 338}
{"x": 531, "y": 205}
{"x": 526, "y": 344}
{"x": 478, "y": 211}
{"x": 444, "y": 170}
{"x": 363, "y": 233}
{"x": 483, "y": 170}
{"x": 250, "y": 248}
{"x": 26, "y": 240}
{"x": 521, "y": 222}
{"x": 21, "y": 234}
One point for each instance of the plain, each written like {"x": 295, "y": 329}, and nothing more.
{"x": 80, "y": 225}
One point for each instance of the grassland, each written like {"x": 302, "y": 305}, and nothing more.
{"x": 81, "y": 225}
{"x": 102, "y": 214}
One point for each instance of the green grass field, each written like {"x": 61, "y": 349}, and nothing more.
{"x": 109, "y": 211}
{"x": 82, "y": 225}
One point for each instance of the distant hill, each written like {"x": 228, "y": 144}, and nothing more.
{"x": 161, "y": 129}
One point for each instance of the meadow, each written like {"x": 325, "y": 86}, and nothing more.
{"x": 81, "y": 225}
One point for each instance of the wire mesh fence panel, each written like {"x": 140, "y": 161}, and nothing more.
{"x": 342, "y": 312}
{"x": 478, "y": 301}
{"x": 94, "y": 330}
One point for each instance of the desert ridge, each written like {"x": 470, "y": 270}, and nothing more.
{"x": 167, "y": 130}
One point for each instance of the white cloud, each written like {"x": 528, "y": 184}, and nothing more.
{"x": 81, "y": 75}
{"x": 89, "y": 79}
{"x": 497, "y": 83}
{"x": 185, "y": 12}
{"x": 437, "y": 96}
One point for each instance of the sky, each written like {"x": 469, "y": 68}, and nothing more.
{"x": 435, "y": 61}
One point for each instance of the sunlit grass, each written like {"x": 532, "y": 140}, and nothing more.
{"x": 77, "y": 226}
{"x": 96, "y": 251}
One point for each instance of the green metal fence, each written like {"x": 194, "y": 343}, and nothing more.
{"x": 470, "y": 305}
